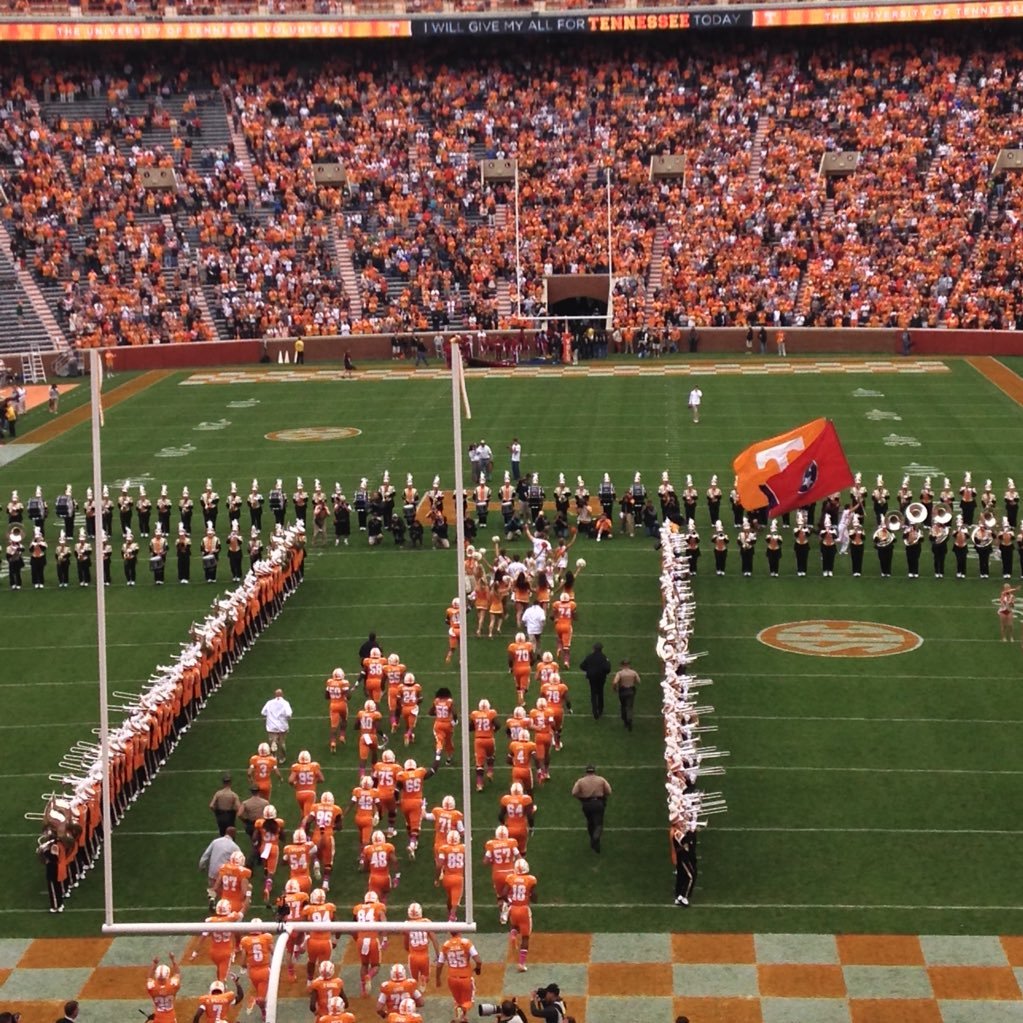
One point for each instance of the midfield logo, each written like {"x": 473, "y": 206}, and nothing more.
{"x": 827, "y": 638}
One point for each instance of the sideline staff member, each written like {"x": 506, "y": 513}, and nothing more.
{"x": 592, "y": 791}
{"x": 624, "y": 684}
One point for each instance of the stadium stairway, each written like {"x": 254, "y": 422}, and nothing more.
{"x": 345, "y": 267}
{"x": 207, "y": 316}
{"x": 242, "y": 157}
{"x": 655, "y": 271}
{"x": 37, "y": 324}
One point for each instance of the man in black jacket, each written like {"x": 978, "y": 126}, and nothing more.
{"x": 596, "y": 667}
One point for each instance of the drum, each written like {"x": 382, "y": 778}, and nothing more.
{"x": 209, "y": 560}
{"x": 156, "y": 562}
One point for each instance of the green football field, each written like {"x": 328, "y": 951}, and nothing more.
{"x": 865, "y": 794}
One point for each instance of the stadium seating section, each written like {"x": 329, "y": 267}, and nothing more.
{"x": 246, "y": 244}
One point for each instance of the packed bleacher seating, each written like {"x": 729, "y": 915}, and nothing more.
{"x": 245, "y": 243}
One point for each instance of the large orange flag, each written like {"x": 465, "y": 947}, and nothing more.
{"x": 792, "y": 469}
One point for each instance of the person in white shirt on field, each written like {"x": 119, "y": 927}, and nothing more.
{"x": 695, "y": 397}
{"x": 533, "y": 620}
{"x": 277, "y": 714}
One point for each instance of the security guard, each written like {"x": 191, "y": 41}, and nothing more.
{"x": 593, "y": 792}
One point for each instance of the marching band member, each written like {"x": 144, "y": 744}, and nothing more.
{"x": 234, "y": 552}
{"x": 982, "y": 543}
{"x": 158, "y": 556}
{"x": 1011, "y": 500}
{"x": 300, "y": 499}
{"x": 738, "y": 512}
{"x": 582, "y": 495}
{"x": 912, "y": 540}
{"x": 185, "y": 508}
{"x": 125, "y": 507}
{"x": 361, "y": 503}
{"x": 106, "y": 511}
{"x": 534, "y": 497}
{"x": 829, "y": 547}
{"x": 255, "y": 503}
{"x": 947, "y": 495}
{"x": 562, "y": 498}
{"x": 90, "y": 514}
{"x": 144, "y": 509}
{"x": 960, "y": 545}
{"x": 37, "y": 558}
{"x": 1006, "y": 546}
{"x": 209, "y": 501}
{"x": 65, "y": 508}
{"x": 884, "y": 542}
{"x": 130, "y": 557}
{"x": 387, "y": 497}
{"x": 858, "y": 498}
{"x": 278, "y": 502}
{"x": 927, "y": 500}
{"x": 665, "y": 490}
{"x": 692, "y": 547}
{"x": 63, "y": 558}
{"x": 83, "y": 558}
{"x": 773, "y": 547}
{"x": 38, "y": 509}
{"x": 856, "y": 542}
{"x": 746, "y": 541}
{"x": 801, "y": 543}
{"x": 15, "y": 509}
{"x": 714, "y": 493}
{"x": 506, "y": 497}
{"x": 342, "y": 516}
{"x": 719, "y": 543}
{"x": 234, "y": 503}
{"x": 690, "y": 495}
{"x": 163, "y": 510}
{"x": 967, "y": 500}
{"x": 436, "y": 496}
{"x": 638, "y": 491}
{"x": 844, "y": 524}
{"x": 210, "y": 548}
{"x": 409, "y": 500}
{"x": 904, "y": 496}
{"x": 255, "y": 548}
{"x": 482, "y": 499}
{"x": 184, "y": 552}
{"x": 988, "y": 500}
{"x": 939, "y": 548}
{"x": 107, "y": 552}
{"x": 606, "y": 494}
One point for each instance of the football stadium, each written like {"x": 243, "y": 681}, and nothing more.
{"x": 508, "y": 497}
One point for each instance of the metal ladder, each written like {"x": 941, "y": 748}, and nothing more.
{"x": 32, "y": 367}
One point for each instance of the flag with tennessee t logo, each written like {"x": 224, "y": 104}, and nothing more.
{"x": 792, "y": 469}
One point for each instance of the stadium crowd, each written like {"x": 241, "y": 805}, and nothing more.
{"x": 248, "y": 245}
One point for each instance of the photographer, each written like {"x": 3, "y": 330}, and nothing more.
{"x": 505, "y": 1012}
{"x": 546, "y": 1004}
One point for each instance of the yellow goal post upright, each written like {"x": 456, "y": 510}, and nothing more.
{"x": 283, "y": 929}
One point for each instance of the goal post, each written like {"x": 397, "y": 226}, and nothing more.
{"x": 284, "y": 929}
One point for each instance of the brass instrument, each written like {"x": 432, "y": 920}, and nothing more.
{"x": 941, "y": 515}
{"x": 893, "y": 520}
{"x": 982, "y": 541}
{"x": 15, "y": 535}
{"x": 916, "y": 513}
{"x": 989, "y": 520}
{"x": 890, "y": 538}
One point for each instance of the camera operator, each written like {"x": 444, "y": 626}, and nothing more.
{"x": 546, "y": 1004}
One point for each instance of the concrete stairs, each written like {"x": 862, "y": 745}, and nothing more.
{"x": 37, "y": 325}
{"x": 204, "y": 306}
{"x": 346, "y": 268}
{"x": 655, "y": 272}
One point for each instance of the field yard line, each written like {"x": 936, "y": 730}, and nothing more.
{"x": 352, "y": 637}
{"x": 122, "y": 911}
{"x": 69, "y": 420}
{"x": 813, "y": 768}
{"x": 997, "y": 373}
